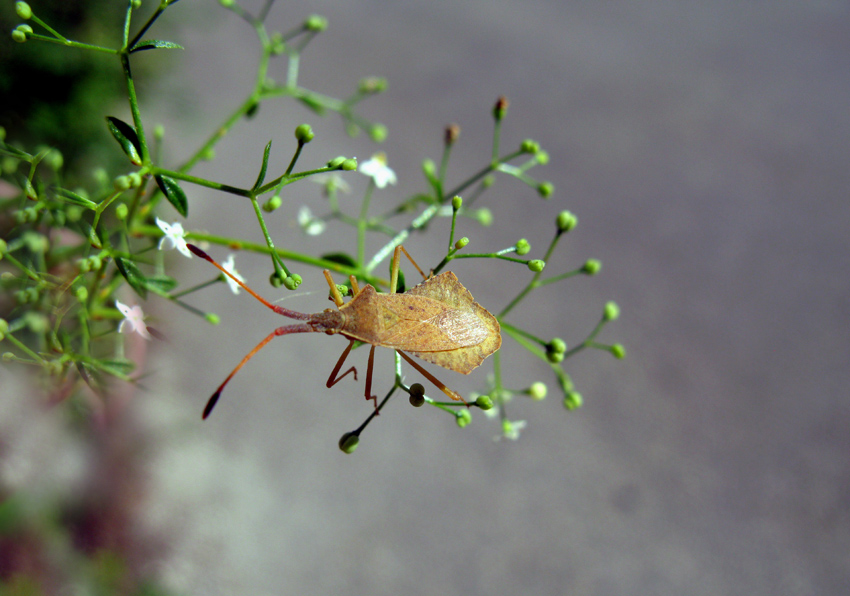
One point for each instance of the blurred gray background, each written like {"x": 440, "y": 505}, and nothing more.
{"x": 704, "y": 147}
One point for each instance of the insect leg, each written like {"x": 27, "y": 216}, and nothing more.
{"x": 355, "y": 288}
{"x": 369, "y": 379}
{"x": 279, "y": 331}
{"x": 334, "y": 291}
{"x": 396, "y": 263}
{"x": 333, "y": 379}
{"x": 439, "y": 384}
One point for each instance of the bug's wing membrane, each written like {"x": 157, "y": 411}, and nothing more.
{"x": 460, "y": 333}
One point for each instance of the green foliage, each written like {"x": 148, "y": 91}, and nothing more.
{"x": 70, "y": 248}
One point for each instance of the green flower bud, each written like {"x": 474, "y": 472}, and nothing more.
{"x": 451, "y": 134}
{"x": 55, "y": 160}
{"x": 292, "y": 282}
{"x": 618, "y": 351}
{"x": 572, "y": 400}
{"x": 484, "y": 402}
{"x": 304, "y": 133}
{"x": 612, "y": 311}
{"x": 121, "y": 211}
{"x": 348, "y": 442}
{"x": 276, "y": 279}
{"x": 417, "y": 395}
{"x": 542, "y": 158}
{"x": 461, "y": 243}
{"x": 369, "y": 85}
{"x": 501, "y": 108}
{"x": 8, "y": 356}
{"x": 522, "y": 247}
{"x": 591, "y": 267}
{"x": 212, "y": 318}
{"x": 4, "y": 328}
{"x": 316, "y": 23}
{"x": 35, "y": 242}
{"x": 19, "y": 33}
{"x": 484, "y": 217}
{"x": 273, "y": 203}
{"x": 537, "y": 391}
{"x": 208, "y": 154}
{"x": 121, "y": 183}
{"x": 135, "y": 180}
{"x": 457, "y": 202}
{"x": 74, "y": 213}
{"x": 545, "y": 189}
{"x": 566, "y": 221}
{"x": 429, "y": 168}
{"x": 349, "y": 165}
{"x": 137, "y": 4}
{"x": 36, "y": 322}
{"x": 23, "y": 10}
{"x": 82, "y": 294}
{"x": 378, "y": 133}
{"x": 536, "y": 265}
{"x": 488, "y": 181}
{"x": 336, "y": 162}
{"x": 463, "y": 417}
{"x": 557, "y": 345}
{"x": 529, "y": 146}
{"x": 277, "y": 44}
{"x": 159, "y": 132}
{"x": 226, "y": 3}
{"x": 555, "y": 357}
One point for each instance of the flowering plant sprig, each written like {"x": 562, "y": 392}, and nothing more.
{"x": 70, "y": 252}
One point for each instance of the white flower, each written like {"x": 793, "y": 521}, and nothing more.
{"x": 331, "y": 182}
{"x": 308, "y": 223}
{"x": 511, "y": 430}
{"x": 173, "y": 237}
{"x": 133, "y": 320}
{"x": 230, "y": 266}
{"x": 376, "y": 168}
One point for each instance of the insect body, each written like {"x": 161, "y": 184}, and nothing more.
{"x": 437, "y": 321}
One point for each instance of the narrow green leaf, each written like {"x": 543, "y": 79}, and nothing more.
{"x": 160, "y": 284}
{"x": 133, "y": 275}
{"x": 341, "y": 258}
{"x": 313, "y": 104}
{"x": 262, "y": 176}
{"x": 153, "y": 44}
{"x": 74, "y": 198}
{"x": 127, "y": 138}
{"x": 116, "y": 367}
{"x": 173, "y": 193}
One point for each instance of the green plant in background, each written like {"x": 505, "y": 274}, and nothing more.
{"x": 80, "y": 256}
{"x": 68, "y": 251}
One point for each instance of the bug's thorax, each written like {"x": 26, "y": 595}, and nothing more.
{"x": 328, "y": 321}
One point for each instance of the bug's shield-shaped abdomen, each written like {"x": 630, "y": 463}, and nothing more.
{"x": 439, "y": 322}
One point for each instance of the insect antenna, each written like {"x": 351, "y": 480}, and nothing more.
{"x": 278, "y": 309}
{"x": 286, "y": 329}
{"x": 300, "y": 328}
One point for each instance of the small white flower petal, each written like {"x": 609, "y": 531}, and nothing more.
{"x": 173, "y": 237}
{"x": 230, "y": 266}
{"x": 308, "y": 223}
{"x": 133, "y": 320}
{"x": 376, "y": 168}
